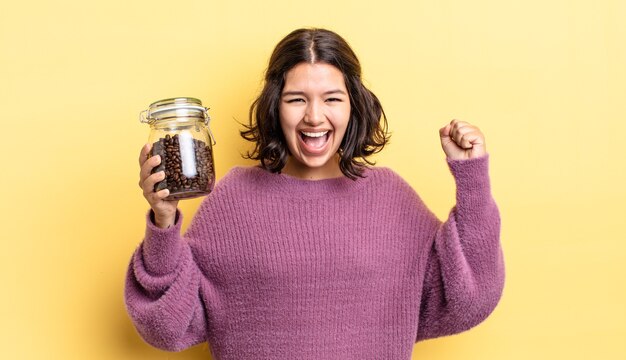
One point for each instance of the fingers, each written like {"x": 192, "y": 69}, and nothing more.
{"x": 463, "y": 133}
{"x": 467, "y": 141}
{"x": 148, "y": 184}
{"x": 458, "y": 128}
{"x": 146, "y": 168}
{"x": 156, "y": 197}
{"x": 143, "y": 154}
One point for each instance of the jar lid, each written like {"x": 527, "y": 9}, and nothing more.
{"x": 174, "y": 107}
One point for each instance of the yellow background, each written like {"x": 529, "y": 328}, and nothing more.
{"x": 544, "y": 80}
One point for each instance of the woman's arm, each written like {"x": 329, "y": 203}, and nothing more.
{"x": 163, "y": 287}
{"x": 163, "y": 282}
{"x": 464, "y": 276}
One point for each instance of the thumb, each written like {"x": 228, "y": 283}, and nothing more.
{"x": 444, "y": 132}
{"x": 447, "y": 144}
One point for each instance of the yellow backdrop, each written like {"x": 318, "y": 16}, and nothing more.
{"x": 544, "y": 80}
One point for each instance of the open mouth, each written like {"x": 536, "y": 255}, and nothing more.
{"x": 314, "y": 142}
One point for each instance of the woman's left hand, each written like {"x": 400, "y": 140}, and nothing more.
{"x": 461, "y": 141}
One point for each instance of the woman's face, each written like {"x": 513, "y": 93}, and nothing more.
{"x": 314, "y": 113}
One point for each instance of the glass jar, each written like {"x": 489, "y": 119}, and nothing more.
{"x": 180, "y": 134}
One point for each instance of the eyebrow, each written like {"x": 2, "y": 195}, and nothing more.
{"x": 337, "y": 91}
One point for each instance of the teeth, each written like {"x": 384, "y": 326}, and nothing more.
{"x": 315, "y": 134}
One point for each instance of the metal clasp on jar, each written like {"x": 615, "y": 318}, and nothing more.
{"x": 207, "y": 120}
{"x": 146, "y": 117}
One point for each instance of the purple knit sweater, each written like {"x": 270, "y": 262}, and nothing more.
{"x": 276, "y": 267}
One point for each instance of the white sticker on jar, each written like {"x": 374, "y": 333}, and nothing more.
{"x": 187, "y": 154}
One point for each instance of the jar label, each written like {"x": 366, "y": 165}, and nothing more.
{"x": 187, "y": 154}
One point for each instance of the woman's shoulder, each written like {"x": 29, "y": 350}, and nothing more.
{"x": 233, "y": 185}
{"x": 393, "y": 182}
{"x": 236, "y": 175}
{"x": 387, "y": 175}
{"x": 238, "y": 172}
{"x": 382, "y": 171}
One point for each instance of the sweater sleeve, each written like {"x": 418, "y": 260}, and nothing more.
{"x": 163, "y": 286}
{"x": 464, "y": 276}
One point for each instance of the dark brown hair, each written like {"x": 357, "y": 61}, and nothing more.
{"x": 365, "y": 135}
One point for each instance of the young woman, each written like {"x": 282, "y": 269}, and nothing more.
{"x": 315, "y": 253}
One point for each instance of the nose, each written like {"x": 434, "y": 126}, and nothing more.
{"x": 314, "y": 114}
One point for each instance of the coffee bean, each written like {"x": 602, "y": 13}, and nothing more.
{"x": 181, "y": 186}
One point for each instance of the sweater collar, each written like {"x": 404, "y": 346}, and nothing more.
{"x": 290, "y": 186}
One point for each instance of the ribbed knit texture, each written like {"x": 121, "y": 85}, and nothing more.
{"x": 276, "y": 267}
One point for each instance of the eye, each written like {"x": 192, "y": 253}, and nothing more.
{"x": 295, "y": 100}
{"x": 333, "y": 99}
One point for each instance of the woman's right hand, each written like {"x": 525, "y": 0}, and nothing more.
{"x": 164, "y": 211}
